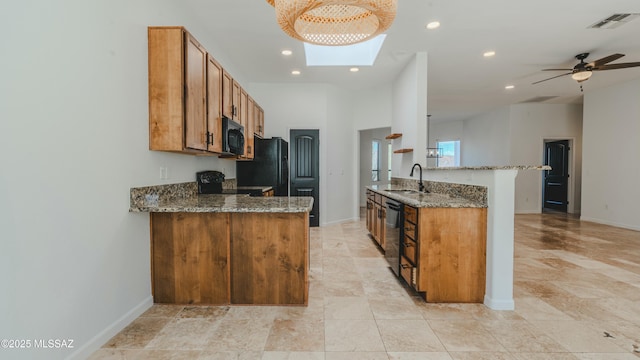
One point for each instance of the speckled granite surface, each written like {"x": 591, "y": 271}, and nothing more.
{"x": 507, "y": 167}
{"x": 473, "y": 193}
{"x": 426, "y": 200}
{"x": 183, "y": 197}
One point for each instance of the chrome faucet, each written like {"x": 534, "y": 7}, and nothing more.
{"x": 420, "y": 184}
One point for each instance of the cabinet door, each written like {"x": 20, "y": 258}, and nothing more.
{"x": 270, "y": 258}
{"x": 166, "y": 88}
{"x": 249, "y": 128}
{"x": 236, "y": 92}
{"x": 195, "y": 94}
{"x": 214, "y": 105}
{"x": 227, "y": 95}
{"x": 190, "y": 258}
{"x": 370, "y": 211}
{"x": 243, "y": 118}
{"x": 260, "y": 121}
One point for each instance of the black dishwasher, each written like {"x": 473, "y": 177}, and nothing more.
{"x": 393, "y": 234}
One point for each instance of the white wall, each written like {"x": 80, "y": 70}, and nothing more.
{"x": 515, "y": 135}
{"x": 611, "y": 137}
{"x": 443, "y": 131}
{"x": 486, "y": 139}
{"x": 409, "y": 107}
{"x": 73, "y": 139}
{"x": 532, "y": 124}
{"x": 366, "y": 139}
{"x": 323, "y": 107}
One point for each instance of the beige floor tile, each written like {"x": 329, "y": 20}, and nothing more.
{"x": 419, "y": 356}
{"x": 350, "y": 307}
{"x": 239, "y": 335}
{"x": 138, "y": 334}
{"x": 532, "y": 308}
{"x": 114, "y": 354}
{"x": 520, "y": 336}
{"x": 394, "y": 308}
{"x": 409, "y": 336}
{"x": 296, "y": 335}
{"x": 606, "y": 356}
{"x": 482, "y": 355}
{"x": 465, "y": 336}
{"x": 203, "y": 312}
{"x": 544, "y": 356}
{"x": 369, "y": 355}
{"x": 577, "y": 336}
{"x": 161, "y": 310}
{"x": 293, "y": 355}
{"x": 183, "y": 334}
{"x": 230, "y": 355}
{"x": 352, "y": 335}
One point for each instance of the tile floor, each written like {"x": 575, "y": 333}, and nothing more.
{"x": 577, "y": 295}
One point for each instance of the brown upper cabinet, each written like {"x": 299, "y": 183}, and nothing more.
{"x": 214, "y": 104}
{"x": 189, "y": 93}
{"x": 177, "y": 91}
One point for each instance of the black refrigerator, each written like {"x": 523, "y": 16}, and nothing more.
{"x": 270, "y": 166}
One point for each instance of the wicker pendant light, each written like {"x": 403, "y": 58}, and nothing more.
{"x": 334, "y": 22}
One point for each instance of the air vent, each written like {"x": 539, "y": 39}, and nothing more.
{"x": 614, "y": 21}
{"x": 538, "y": 99}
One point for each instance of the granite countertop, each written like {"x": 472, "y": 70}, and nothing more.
{"x": 425, "y": 200}
{"x": 228, "y": 203}
{"x": 506, "y": 167}
{"x": 183, "y": 197}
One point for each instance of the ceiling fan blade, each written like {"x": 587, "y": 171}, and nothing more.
{"x": 605, "y": 60}
{"x": 537, "y": 82}
{"x": 557, "y": 69}
{"x": 617, "y": 66}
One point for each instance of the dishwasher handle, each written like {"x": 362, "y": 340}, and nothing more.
{"x": 394, "y": 206}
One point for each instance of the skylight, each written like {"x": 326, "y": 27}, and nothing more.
{"x": 362, "y": 54}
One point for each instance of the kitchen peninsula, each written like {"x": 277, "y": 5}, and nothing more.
{"x": 226, "y": 249}
{"x": 500, "y": 198}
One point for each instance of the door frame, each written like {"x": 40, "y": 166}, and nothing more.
{"x": 571, "y": 185}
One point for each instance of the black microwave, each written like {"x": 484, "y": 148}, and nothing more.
{"x": 232, "y": 137}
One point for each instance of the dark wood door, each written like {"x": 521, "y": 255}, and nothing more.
{"x": 556, "y": 180}
{"x": 305, "y": 173}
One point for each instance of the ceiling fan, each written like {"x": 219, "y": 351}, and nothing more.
{"x": 583, "y": 70}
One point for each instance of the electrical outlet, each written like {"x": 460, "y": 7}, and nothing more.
{"x": 164, "y": 173}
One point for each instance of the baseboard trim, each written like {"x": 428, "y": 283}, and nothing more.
{"x": 504, "y": 304}
{"x": 102, "y": 337}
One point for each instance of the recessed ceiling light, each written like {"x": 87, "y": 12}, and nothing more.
{"x": 286, "y": 52}
{"x": 509, "y": 87}
{"x": 489, "y": 53}
{"x": 295, "y": 72}
{"x": 354, "y": 69}
{"x": 433, "y": 25}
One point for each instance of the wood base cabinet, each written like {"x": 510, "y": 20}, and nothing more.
{"x": 190, "y": 258}
{"x": 270, "y": 255}
{"x": 230, "y": 258}
{"x": 376, "y": 217}
{"x": 444, "y": 253}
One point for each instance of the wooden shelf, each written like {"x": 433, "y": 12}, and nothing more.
{"x": 393, "y": 136}
{"x": 401, "y": 151}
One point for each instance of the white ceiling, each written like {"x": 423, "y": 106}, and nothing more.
{"x": 527, "y": 36}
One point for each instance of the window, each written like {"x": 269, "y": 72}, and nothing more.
{"x": 375, "y": 160}
{"x": 450, "y": 153}
{"x": 389, "y": 157}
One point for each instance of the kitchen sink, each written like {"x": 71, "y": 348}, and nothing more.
{"x": 404, "y": 191}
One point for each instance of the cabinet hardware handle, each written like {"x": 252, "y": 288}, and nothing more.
{"x": 405, "y": 266}
{"x": 408, "y": 245}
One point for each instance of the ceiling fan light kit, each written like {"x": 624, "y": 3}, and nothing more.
{"x": 583, "y": 70}
{"x": 582, "y": 75}
{"x": 334, "y": 22}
